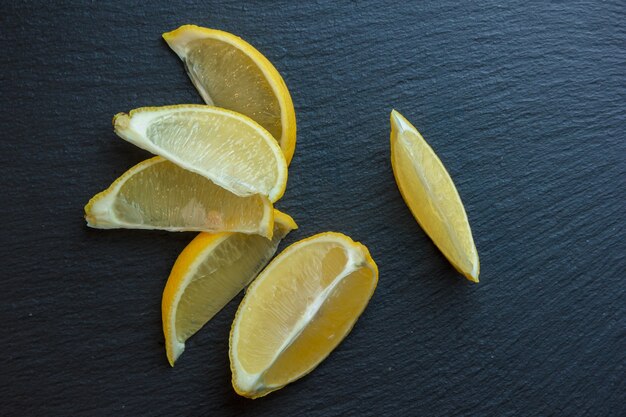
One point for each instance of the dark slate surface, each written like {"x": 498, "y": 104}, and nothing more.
{"x": 523, "y": 101}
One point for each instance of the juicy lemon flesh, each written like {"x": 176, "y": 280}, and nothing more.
{"x": 231, "y": 152}
{"x": 168, "y": 195}
{"x": 283, "y": 301}
{"x": 221, "y": 274}
{"x": 298, "y": 314}
{"x": 165, "y": 196}
{"x": 432, "y": 197}
{"x": 229, "y": 78}
{"x": 325, "y": 331}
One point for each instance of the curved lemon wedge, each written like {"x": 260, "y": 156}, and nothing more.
{"x": 157, "y": 194}
{"x": 298, "y": 310}
{"x": 208, "y": 273}
{"x": 226, "y": 147}
{"x": 229, "y": 72}
{"x": 431, "y": 196}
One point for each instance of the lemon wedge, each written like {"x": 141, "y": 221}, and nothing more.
{"x": 229, "y": 72}
{"x": 228, "y": 148}
{"x": 208, "y": 273}
{"x": 157, "y": 194}
{"x": 431, "y": 196}
{"x": 298, "y": 310}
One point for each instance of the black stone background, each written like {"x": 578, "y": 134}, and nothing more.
{"x": 523, "y": 101}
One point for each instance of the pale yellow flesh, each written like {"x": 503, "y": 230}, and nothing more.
{"x": 432, "y": 197}
{"x": 209, "y": 272}
{"x": 230, "y": 73}
{"x": 220, "y": 71}
{"x": 298, "y": 310}
{"x": 157, "y": 194}
{"x": 227, "y": 148}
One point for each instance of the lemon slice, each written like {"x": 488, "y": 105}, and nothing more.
{"x": 157, "y": 194}
{"x": 208, "y": 273}
{"x": 228, "y": 72}
{"x": 431, "y": 196}
{"x": 298, "y": 310}
{"x": 226, "y": 147}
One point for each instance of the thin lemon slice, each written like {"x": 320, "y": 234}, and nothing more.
{"x": 157, "y": 194}
{"x": 226, "y": 147}
{"x": 431, "y": 196}
{"x": 228, "y": 72}
{"x": 208, "y": 273}
{"x": 298, "y": 310}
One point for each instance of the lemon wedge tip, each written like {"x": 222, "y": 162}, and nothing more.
{"x": 284, "y": 219}
{"x": 473, "y": 274}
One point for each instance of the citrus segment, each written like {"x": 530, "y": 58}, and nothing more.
{"x": 208, "y": 273}
{"x": 229, "y": 72}
{"x": 298, "y": 310}
{"x": 228, "y": 148}
{"x": 157, "y": 194}
{"x": 431, "y": 196}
